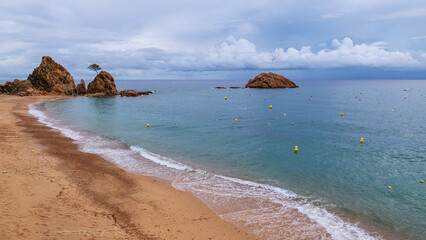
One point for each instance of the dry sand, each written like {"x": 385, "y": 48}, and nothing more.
{"x": 58, "y": 192}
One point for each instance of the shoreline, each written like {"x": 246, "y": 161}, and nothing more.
{"x": 260, "y": 209}
{"x": 55, "y": 192}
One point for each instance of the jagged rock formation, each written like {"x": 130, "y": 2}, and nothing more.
{"x": 81, "y": 88}
{"x": 52, "y": 78}
{"x": 133, "y": 93}
{"x": 270, "y": 80}
{"x": 48, "y": 78}
{"x": 21, "y": 88}
{"x": 15, "y": 87}
{"x": 103, "y": 84}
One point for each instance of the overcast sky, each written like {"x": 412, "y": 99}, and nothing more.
{"x": 220, "y": 39}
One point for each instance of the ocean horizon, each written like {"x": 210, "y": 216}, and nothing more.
{"x": 237, "y": 154}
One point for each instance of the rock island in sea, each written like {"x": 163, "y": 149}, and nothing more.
{"x": 270, "y": 80}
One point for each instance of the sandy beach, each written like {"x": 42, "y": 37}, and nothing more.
{"x": 51, "y": 190}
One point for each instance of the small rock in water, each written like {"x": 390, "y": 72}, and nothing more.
{"x": 133, "y": 93}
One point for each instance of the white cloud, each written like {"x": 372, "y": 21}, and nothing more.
{"x": 9, "y": 27}
{"x": 167, "y": 36}
{"x": 242, "y": 54}
{"x": 411, "y": 13}
{"x": 237, "y": 54}
{"x": 12, "y": 46}
{"x": 11, "y": 61}
{"x": 422, "y": 37}
{"x": 327, "y": 16}
{"x": 231, "y": 55}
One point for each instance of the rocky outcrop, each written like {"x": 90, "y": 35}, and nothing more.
{"x": 48, "y": 78}
{"x": 21, "y": 88}
{"x": 16, "y": 87}
{"x": 227, "y": 88}
{"x": 270, "y": 80}
{"x": 81, "y": 88}
{"x": 103, "y": 84}
{"x": 133, "y": 93}
{"x": 52, "y": 78}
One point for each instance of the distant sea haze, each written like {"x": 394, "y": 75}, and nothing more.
{"x": 335, "y": 187}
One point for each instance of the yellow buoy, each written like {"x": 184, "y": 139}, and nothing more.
{"x": 341, "y": 114}
{"x": 236, "y": 120}
{"x": 270, "y": 106}
{"x": 393, "y": 110}
{"x": 226, "y": 98}
{"x": 296, "y": 149}
{"x": 361, "y": 140}
{"x": 422, "y": 181}
{"x": 203, "y": 94}
{"x": 285, "y": 115}
{"x": 147, "y": 125}
{"x": 390, "y": 187}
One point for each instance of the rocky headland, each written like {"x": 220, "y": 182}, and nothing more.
{"x": 270, "y": 80}
{"x": 51, "y": 78}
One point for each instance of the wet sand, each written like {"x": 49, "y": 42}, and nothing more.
{"x": 51, "y": 190}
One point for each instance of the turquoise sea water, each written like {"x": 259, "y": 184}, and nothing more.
{"x": 335, "y": 184}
